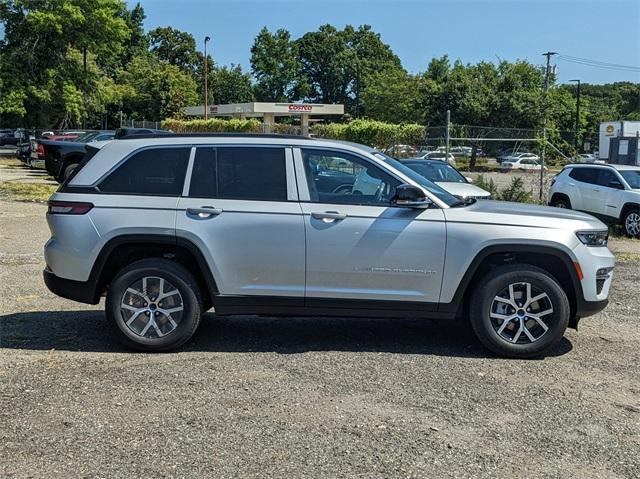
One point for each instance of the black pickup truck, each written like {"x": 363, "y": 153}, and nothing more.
{"x": 62, "y": 157}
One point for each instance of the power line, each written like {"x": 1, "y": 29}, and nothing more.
{"x": 596, "y": 61}
{"x": 598, "y": 64}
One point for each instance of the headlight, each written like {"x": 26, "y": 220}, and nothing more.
{"x": 593, "y": 238}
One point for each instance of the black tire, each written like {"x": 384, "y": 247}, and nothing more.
{"x": 630, "y": 223}
{"x": 343, "y": 189}
{"x": 68, "y": 170}
{"x": 497, "y": 281}
{"x": 180, "y": 278}
{"x": 561, "y": 202}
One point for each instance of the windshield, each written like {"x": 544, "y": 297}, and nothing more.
{"x": 85, "y": 137}
{"x": 632, "y": 177}
{"x": 437, "y": 172}
{"x": 431, "y": 187}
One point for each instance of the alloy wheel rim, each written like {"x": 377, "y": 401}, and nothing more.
{"x": 152, "y": 307}
{"x": 520, "y": 313}
{"x": 632, "y": 224}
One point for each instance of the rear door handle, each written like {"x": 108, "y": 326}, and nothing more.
{"x": 204, "y": 211}
{"x": 328, "y": 215}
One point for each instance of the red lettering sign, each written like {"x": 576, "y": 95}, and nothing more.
{"x": 295, "y": 107}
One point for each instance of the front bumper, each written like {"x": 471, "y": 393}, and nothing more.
{"x": 589, "y": 308}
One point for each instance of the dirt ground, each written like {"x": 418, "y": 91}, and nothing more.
{"x": 293, "y": 397}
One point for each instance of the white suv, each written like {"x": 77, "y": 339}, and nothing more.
{"x": 168, "y": 227}
{"x": 611, "y": 192}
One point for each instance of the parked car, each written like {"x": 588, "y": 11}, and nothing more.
{"x": 8, "y": 137}
{"x": 126, "y": 131}
{"x": 240, "y": 223}
{"x": 62, "y": 136}
{"x": 438, "y": 155}
{"x": 61, "y": 158}
{"x": 512, "y": 155}
{"x": 526, "y": 163}
{"x": 611, "y": 192}
{"x": 586, "y": 158}
{"x": 447, "y": 177}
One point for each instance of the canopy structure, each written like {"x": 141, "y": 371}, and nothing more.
{"x": 268, "y": 112}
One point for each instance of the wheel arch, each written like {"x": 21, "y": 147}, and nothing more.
{"x": 553, "y": 260}
{"x": 560, "y": 196}
{"x": 123, "y": 250}
{"x": 628, "y": 206}
{"x": 69, "y": 159}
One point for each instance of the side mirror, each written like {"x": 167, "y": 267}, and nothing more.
{"x": 469, "y": 180}
{"x": 410, "y": 196}
{"x": 616, "y": 184}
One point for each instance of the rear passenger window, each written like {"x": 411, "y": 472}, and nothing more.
{"x": 239, "y": 173}
{"x": 154, "y": 171}
{"x": 585, "y": 175}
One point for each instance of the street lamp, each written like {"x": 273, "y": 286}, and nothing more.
{"x": 206, "y": 74}
{"x": 577, "y": 127}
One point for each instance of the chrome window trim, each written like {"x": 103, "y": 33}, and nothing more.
{"x": 187, "y": 177}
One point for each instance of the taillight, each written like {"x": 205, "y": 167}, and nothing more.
{"x": 69, "y": 207}
{"x": 40, "y": 150}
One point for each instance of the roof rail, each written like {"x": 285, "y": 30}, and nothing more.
{"x": 210, "y": 135}
{"x": 590, "y": 165}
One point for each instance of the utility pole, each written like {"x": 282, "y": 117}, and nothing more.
{"x": 448, "y": 137}
{"x": 577, "y": 127}
{"x": 544, "y": 117}
{"x": 206, "y": 74}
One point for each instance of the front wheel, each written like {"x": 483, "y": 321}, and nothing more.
{"x": 631, "y": 223}
{"x": 519, "y": 311}
{"x": 563, "y": 203}
{"x": 154, "y": 305}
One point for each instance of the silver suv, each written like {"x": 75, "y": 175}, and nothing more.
{"x": 171, "y": 226}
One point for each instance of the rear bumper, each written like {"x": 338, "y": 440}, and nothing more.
{"x": 80, "y": 291}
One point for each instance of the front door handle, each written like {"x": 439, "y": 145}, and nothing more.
{"x": 328, "y": 216}
{"x": 204, "y": 211}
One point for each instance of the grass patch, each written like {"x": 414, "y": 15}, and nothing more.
{"x": 38, "y": 192}
{"x": 627, "y": 257}
{"x": 11, "y": 161}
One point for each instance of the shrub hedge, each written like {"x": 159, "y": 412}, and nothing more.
{"x": 368, "y": 132}
{"x": 213, "y": 125}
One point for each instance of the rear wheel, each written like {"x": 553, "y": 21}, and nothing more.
{"x": 519, "y": 311}
{"x": 154, "y": 305}
{"x": 68, "y": 170}
{"x": 631, "y": 223}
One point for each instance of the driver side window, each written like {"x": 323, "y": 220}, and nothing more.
{"x": 340, "y": 178}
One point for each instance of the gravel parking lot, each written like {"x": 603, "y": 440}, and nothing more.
{"x": 292, "y": 397}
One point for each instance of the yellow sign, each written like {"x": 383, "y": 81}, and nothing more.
{"x": 609, "y": 130}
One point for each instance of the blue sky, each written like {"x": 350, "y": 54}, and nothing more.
{"x": 471, "y": 31}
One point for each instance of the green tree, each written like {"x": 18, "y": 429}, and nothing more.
{"x": 392, "y": 96}
{"x": 231, "y": 85}
{"x": 336, "y": 63}
{"x": 44, "y": 42}
{"x": 275, "y": 66}
{"x": 174, "y": 47}
{"x": 154, "y": 90}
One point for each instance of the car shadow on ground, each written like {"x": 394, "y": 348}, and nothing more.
{"x": 88, "y": 331}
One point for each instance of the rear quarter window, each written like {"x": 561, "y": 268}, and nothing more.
{"x": 154, "y": 171}
{"x": 584, "y": 175}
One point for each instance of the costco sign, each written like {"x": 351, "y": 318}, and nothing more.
{"x": 297, "y": 107}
